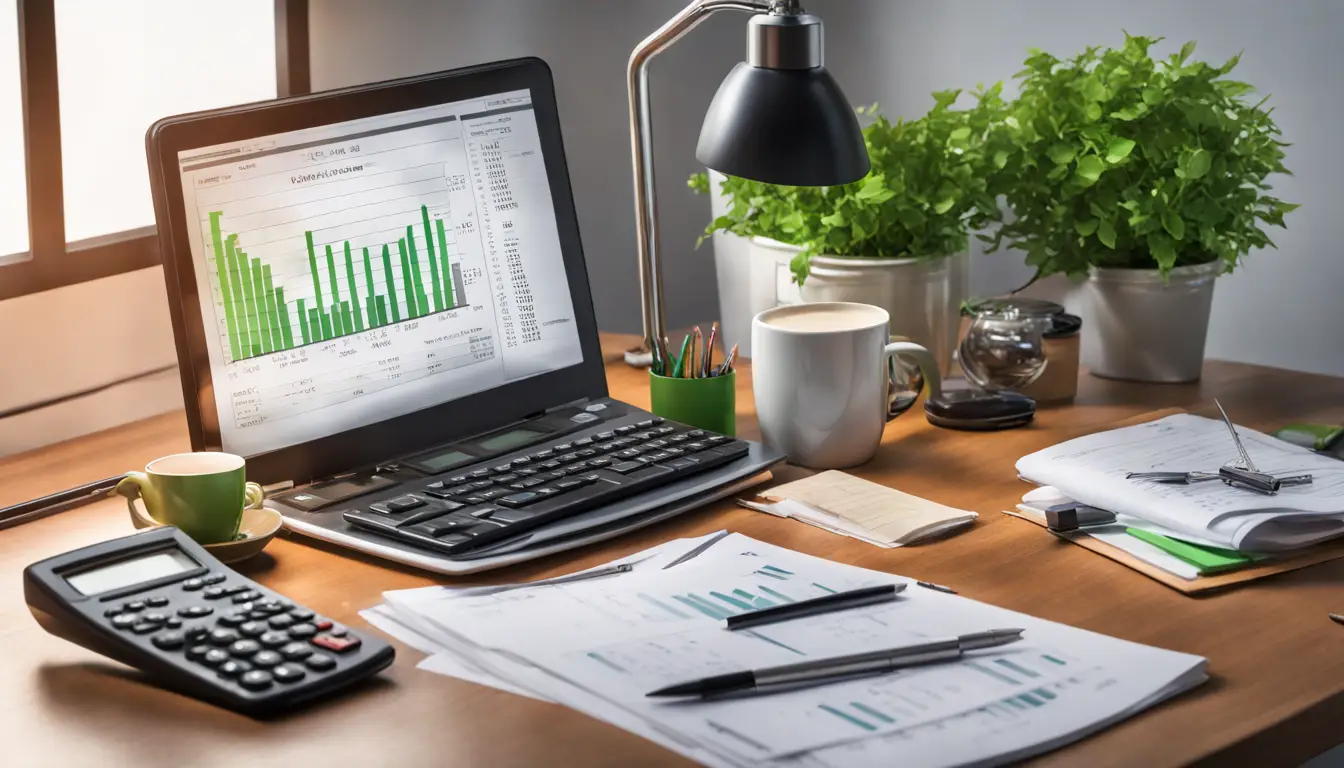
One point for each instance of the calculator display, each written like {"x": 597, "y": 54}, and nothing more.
{"x": 511, "y": 439}
{"x": 129, "y": 572}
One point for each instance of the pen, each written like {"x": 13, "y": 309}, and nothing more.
{"x": 709, "y": 351}
{"x": 699, "y": 550}
{"x": 59, "y": 501}
{"x": 1338, "y": 619}
{"x": 839, "y": 667}
{"x": 581, "y": 576}
{"x": 936, "y": 587}
{"x": 681, "y": 359}
{"x": 693, "y": 362}
{"x": 727, "y": 364}
{"x": 839, "y": 601}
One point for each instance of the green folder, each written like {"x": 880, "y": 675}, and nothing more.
{"x": 1207, "y": 559}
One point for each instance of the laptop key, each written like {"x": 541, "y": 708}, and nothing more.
{"x": 626, "y": 467}
{"x": 520, "y": 499}
{"x": 430, "y": 514}
{"x": 403, "y": 504}
{"x": 625, "y": 430}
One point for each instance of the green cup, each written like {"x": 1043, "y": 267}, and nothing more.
{"x": 705, "y": 403}
{"x": 203, "y": 494}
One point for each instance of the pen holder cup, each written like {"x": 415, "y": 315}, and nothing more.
{"x": 705, "y": 403}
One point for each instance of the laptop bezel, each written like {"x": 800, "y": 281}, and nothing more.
{"x": 420, "y": 429}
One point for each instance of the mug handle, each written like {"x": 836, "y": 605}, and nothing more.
{"x": 928, "y": 374}
{"x": 132, "y": 486}
{"x": 254, "y": 496}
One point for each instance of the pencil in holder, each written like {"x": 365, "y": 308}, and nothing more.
{"x": 705, "y": 403}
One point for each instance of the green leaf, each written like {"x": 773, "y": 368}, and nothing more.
{"x": 1163, "y": 250}
{"x": 1152, "y": 95}
{"x": 1093, "y": 90}
{"x": 1186, "y": 51}
{"x": 1106, "y": 233}
{"x": 1119, "y": 149}
{"x": 873, "y": 186}
{"x": 1000, "y": 159}
{"x": 1085, "y": 227}
{"x": 1090, "y": 168}
{"x": 1174, "y": 224}
{"x": 1092, "y": 112}
{"x": 1061, "y": 154}
{"x": 944, "y": 205}
{"x": 1199, "y": 164}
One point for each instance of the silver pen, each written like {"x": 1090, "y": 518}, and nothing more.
{"x": 836, "y": 668}
{"x": 607, "y": 570}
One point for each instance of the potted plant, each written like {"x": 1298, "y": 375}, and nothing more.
{"x": 888, "y": 238}
{"x": 1148, "y": 178}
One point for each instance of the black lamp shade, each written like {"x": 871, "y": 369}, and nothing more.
{"x": 783, "y": 126}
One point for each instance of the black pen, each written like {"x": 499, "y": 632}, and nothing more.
{"x": 838, "y": 601}
{"x": 58, "y": 502}
{"x": 838, "y": 668}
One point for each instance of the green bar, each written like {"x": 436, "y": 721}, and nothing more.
{"x": 407, "y": 283}
{"x": 354, "y": 292}
{"x": 222, "y": 272}
{"x": 286, "y": 333}
{"x": 303, "y": 324}
{"x": 337, "y": 327}
{"x": 259, "y": 304}
{"x": 433, "y": 264}
{"x": 1051, "y": 659}
{"x": 382, "y": 310}
{"x": 315, "y": 323}
{"x": 368, "y": 282}
{"x": 331, "y": 274}
{"x": 312, "y": 266}
{"x": 846, "y": 716}
{"x": 239, "y": 305}
{"x": 867, "y": 710}
{"x": 733, "y": 601}
{"x": 326, "y": 325}
{"x": 415, "y": 272}
{"x": 1018, "y": 668}
{"x": 443, "y": 266}
{"x": 250, "y": 307}
{"x": 272, "y": 308}
{"x": 391, "y": 288}
{"x": 1032, "y": 700}
{"x": 1047, "y": 695}
{"x": 345, "y": 317}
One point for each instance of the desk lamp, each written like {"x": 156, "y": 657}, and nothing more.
{"x": 779, "y": 117}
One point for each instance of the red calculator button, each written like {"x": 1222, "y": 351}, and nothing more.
{"x": 336, "y": 644}
{"x": 322, "y": 624}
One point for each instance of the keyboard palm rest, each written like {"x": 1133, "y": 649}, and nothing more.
{"x": 481, "y": 508}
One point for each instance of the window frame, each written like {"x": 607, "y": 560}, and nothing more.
{"x": 51, "y": 261}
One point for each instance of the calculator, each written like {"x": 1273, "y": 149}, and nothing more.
{"x": 159, "y": 602}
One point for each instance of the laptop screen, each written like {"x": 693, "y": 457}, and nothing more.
{"x": 369, "y": 269}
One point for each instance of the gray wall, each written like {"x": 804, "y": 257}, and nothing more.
{"x": 1278, "y": 310}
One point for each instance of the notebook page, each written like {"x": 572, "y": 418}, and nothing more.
{"x": 885, "y": 513}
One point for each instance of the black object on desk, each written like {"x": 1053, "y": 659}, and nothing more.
{"x": 159, "y": 602}
{"x": 57, "y": 502}
{"x": 979, "y": 411}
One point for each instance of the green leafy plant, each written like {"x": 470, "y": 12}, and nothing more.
{"x": 927, "y": 186}
{"x": 1114, "y": 159}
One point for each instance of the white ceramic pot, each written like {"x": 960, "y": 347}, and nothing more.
{"x": 1144, "y": 329}
{"x": 916, "y": 293}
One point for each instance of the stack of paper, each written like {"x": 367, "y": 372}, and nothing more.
{"x": 851, "y": 506}
{"x": 1093, "y": 470}
{"x": 600, "y": 645}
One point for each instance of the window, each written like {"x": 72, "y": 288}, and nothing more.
{"x": 80, "y": 82}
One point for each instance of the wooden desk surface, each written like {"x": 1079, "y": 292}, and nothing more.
{"x": 1276, "y": 696}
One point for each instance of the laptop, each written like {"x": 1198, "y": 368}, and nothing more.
{"x": 379, "y": 299}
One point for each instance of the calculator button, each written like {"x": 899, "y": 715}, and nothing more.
{"x": 281, "y": 621}
{"x": 404, "y": 503}
{"x": 271, "y": 606}
{"x": 236, "y": 588}
{"x": 233, "y": 618}
{"x": 288, "y": 673}
{"x": 133, "y": 607}
{"x": 480, "y": 473}
{"x": 273, "y": 639}
{"x": 302, "y": 631}
{"x": 191, "y": 585}
{"x": 233, "y": 668}
{"x": 301, "y": 614}
{"x": 214, "y": 657}
{"x": 195, "y": 611}
{"x": 501, "y": 468}
{"x": 252, "y": 629}
{"x": 322, "y": 625}
{"x": 158, "y": 601}
{"x": 338, "y": 632}
{"x": 153, "y": 617}
{"x": 267, "y": 659}
{"x": 337, "y": 644}
{"x": 256, "y": 680}
{"x": 173, "y": 622}
{"x": 146, "y": 627}
{"x": 222, "y": 637}
{"x": 196, "y": 634}
{"x": 213, "y": 578}
{"x": 123, "y": 621}
{"x": 110, "y": 612}
{"x": 243, "y": 597}
{"x": 296, "y": 651}
{"x": 320, "y": 662}
{"x": 212, "y": 593}
{"x": 197, "y": 652}
{"x": 244, "y": 648}
{"x": 169, "y": 641}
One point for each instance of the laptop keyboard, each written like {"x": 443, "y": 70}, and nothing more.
{"x": 473, "y": 509}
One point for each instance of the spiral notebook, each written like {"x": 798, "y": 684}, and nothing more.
{"x": 842, "y": 503}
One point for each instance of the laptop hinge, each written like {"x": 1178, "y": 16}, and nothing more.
{"x": 571, "y": 404}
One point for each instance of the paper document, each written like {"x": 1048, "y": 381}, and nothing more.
{"x": 600, "y": 645}
{"x": 1092, "y": 470}
{"x": 849, "y": 505}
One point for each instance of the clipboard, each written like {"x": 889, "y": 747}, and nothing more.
{"x": 1320, "y": 553}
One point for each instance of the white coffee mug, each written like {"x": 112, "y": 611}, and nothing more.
{"x": 822, "y": 379}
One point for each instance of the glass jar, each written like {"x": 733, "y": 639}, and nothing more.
{"x": 1004, "y": 349}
